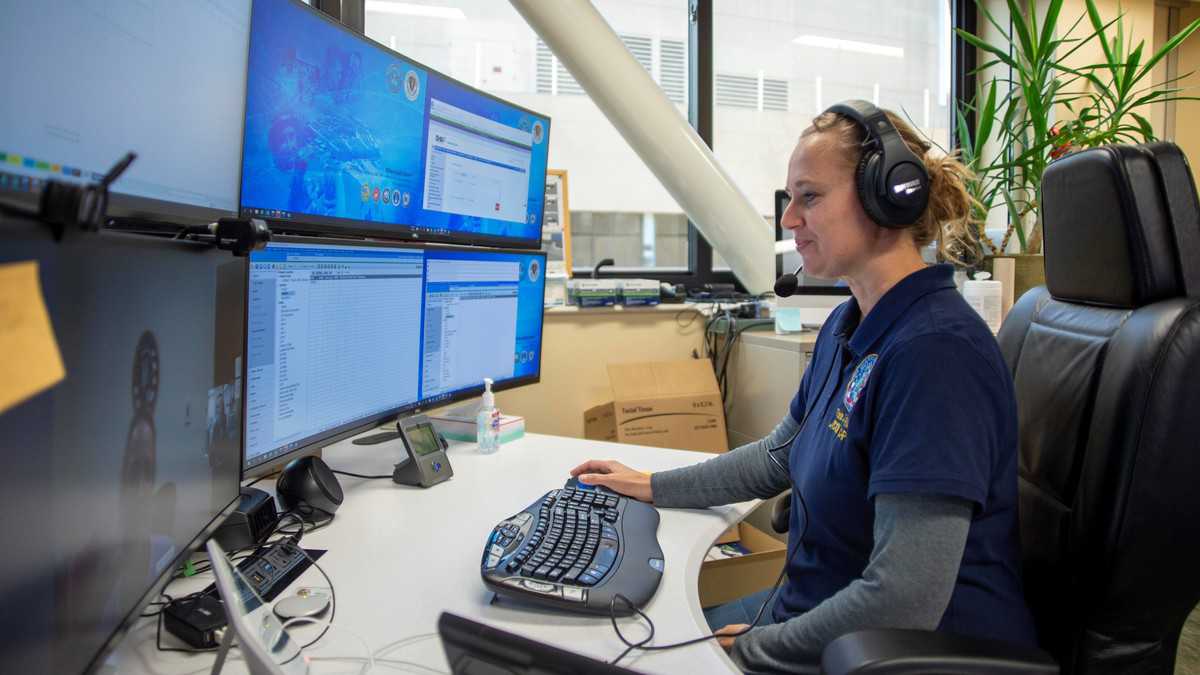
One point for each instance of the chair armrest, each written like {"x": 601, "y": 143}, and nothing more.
{"x": 887, "y": 651}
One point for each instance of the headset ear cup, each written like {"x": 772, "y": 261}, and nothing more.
{"x": 865, "y": 178}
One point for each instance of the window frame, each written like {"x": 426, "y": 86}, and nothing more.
{"x": 701, "y": 111}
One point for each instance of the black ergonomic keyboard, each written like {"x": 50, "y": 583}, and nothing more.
{"x": 576, "y": 549}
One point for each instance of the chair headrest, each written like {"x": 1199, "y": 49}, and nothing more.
{"x": 1184, "y": 205}
{"x": 1108, "y": 236}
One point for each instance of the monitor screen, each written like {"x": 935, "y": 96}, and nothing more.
{"x": 341, "y": 336}
{"x": 112, "y": 475}
{"x": 164, "y": 79}
{"x": 343, "y": 134}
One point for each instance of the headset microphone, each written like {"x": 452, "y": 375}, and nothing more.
{"x": 787, "y": 284}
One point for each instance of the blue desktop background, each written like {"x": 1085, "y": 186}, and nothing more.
{"x": 447, "y": 91}
{"x": 531, "y": 291}
{"x": 331, "y": 132}
{"x": 327, "y": 120}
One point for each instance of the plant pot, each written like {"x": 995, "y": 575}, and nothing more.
{"x": 1029, "y": 272}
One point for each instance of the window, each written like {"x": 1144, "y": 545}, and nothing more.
{"x": 778, "y": 63}
{"x": 775, "y": 64}
{"x": 619, "y": 209}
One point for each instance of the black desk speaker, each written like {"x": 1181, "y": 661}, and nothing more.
{"x": 308, "y": 483}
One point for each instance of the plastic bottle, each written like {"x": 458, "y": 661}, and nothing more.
{"x": 984, "y": 297}
{"x": 487, "y": 421}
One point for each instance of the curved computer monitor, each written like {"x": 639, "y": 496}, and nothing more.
{"x": 115, "y": 472}
{"x": 343, "y": 335}
{"x": 343, "y": 135}
{"x": 789, "y": 260}
{"x": 101, "y": 80}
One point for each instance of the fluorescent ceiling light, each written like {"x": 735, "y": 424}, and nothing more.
{"x": 409, "y": 9}
{"x": 848, "y": 45}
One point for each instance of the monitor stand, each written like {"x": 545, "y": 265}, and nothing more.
{"x": 374, "y": 439}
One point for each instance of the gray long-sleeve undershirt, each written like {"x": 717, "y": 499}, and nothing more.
{"x": 918, "y": 547}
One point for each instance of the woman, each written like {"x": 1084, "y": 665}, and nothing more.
{"x": 901, "y": 441}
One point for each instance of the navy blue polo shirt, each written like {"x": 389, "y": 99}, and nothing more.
{"x": 915, "y": 398}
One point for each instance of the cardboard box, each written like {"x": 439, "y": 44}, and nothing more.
{"x": 725, "y": 580}
{"x": 668, "y": 404}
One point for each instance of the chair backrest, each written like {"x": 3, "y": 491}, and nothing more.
{"x": 1106, "y": 363}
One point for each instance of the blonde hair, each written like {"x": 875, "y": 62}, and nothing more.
{"x": 949, "y": 217}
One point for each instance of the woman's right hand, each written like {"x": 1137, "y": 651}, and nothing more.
{"x": 616, "y": 477}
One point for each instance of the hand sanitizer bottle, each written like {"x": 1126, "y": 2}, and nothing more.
{"x": 487, "y": 421}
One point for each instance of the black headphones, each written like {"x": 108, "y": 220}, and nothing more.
{"x": 892, "y": 182}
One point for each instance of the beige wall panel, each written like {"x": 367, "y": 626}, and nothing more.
{"x": 576, "y": 350}
{"x": 1187, "y": 113}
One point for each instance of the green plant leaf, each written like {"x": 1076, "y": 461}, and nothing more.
{"x": 980, "y": 44}
{"x": 1130, "y": 68}
{"x": 987, "y": 117}
{"x": 1083, "y": 42}
{"x": 1021, "y": 27}
{"x": 1014, "y": 220}
{"x": 1170, "y": 45}
{"x": 1098, "y": 25}
{"x": 981, "y": 6}
{"x": 1145, "y": 127}
{"x": 1049, "y": 24}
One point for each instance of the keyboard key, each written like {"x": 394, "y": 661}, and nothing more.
{"x": 565, "y": 543}
{"x": 572, "y": 575}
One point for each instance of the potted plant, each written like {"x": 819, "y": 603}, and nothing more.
{"x": 1016, "y": 112}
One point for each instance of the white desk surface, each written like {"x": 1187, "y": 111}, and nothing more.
{"x": 399, "y": 555}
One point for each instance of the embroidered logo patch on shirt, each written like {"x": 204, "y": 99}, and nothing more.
{"x": 859, "y": 381}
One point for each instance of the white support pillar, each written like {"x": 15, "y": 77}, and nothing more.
{"x": 658, "y": 133}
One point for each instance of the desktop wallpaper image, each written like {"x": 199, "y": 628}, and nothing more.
{"x": 338, "y": 127}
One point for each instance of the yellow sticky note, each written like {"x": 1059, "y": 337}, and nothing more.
{"x": 29, "y": 358}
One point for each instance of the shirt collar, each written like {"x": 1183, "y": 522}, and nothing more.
{"x": 898, "y": 298}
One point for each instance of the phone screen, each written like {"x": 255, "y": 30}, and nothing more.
{"x": 423, "y": 439}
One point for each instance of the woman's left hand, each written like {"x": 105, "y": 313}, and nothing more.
{"x": 732, "y": 629}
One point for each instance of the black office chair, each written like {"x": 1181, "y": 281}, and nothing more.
{"x": 1106, "y": 363}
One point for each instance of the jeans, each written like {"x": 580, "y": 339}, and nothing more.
{"x": 741, "y": 610}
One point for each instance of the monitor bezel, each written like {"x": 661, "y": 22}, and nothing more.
{"x": 160, "y": 584}
{"x": 315, "y": 443}
{"x": 310, "y": 225}
{"x": 781, "y": 202}
{"x": 105, "y": 648}
{"x": 131, "y": 210}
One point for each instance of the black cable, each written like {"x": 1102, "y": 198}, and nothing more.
{"x": 688, "y": 310}
{"x": 359, "y": 475}
{"x": 733, "y": 337}
{"x": 643, "y": 645}
{"x": 298, "y": 514}
{"x": 332, "y": 607}
{"x": 258, "y": 480}
{"x": 296, "y": 535}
